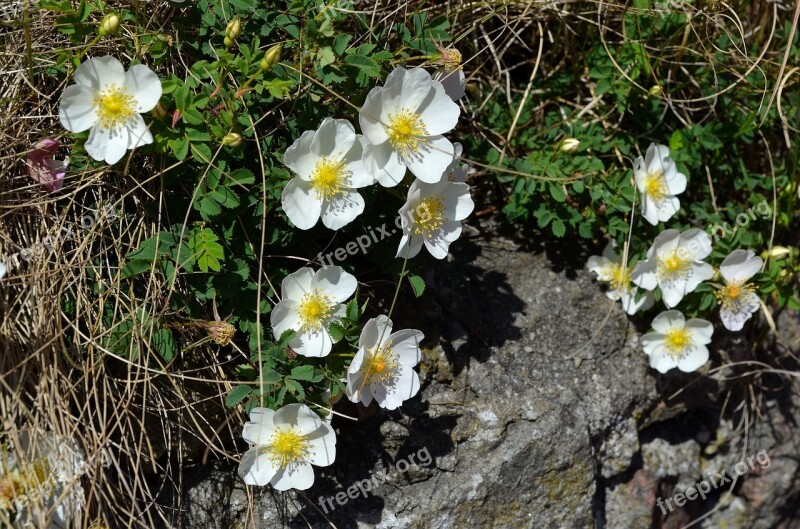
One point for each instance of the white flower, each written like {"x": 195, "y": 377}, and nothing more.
{"x": 3, "y": 270}
{"x": 45, "y": 476}
{"x": 329, "y": 169}
{"x": 658, "y": 180}
{"x": 608, "y": 268}
{"x": 737, "y": 299}
{"x": 432, "y": 216}
{"x": 677, "y": 342}
{"x": 383, "y": 366}
{"x": 675, "y": 264}
{"x": 457, "y": 171}
{"x": 109, "y": 101}
{"x": 569, "y": 145}
{"x": 404, "y": 121}
{"x": 285, "y": 445}
{"x": 309, "y": 303}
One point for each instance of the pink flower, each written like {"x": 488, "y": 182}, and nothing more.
{"x": 44, "y": 168}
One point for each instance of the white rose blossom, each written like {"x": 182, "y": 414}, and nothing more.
{"x": 675, "y": 264}
{"x": 608, "y": 268}
{"x": 108, "y": 100}
{"x": 432, "y": 217}
{"x": 284, "y": 445}
{"x": 737, "y": 298}
{"x": 310, "y": 302}
{"x": 676, "y": 342}
{"x": 329, "y": 168}
{"x": 383, "y": 367}
{"x": 658, "y": 181}
{"x": 457, "y": 171}
{"x": 403, "y": 121}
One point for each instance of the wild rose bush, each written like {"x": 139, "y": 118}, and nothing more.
{"x": 262, "y": 141}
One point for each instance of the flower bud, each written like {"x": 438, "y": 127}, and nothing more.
{"x": 271, "y": 58}
{"x": 232, "y": 139}
{"x": 570, "y": 145}
{"x": 159, "y": 111}
{"x": 228, "y": 42}
{"x": 233, "y": 29}
{"x": 109, "y": 25}
{"x": 655, "y": 91}
{"x": 221, "y": 332}
{"x": 776, "y": 252}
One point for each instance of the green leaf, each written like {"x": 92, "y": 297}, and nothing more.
{"x": 237, "y": 395}
{"x": 352, "y": 310}
{"x": 286, "y": 337}
{"x": 417, "y": 284}
{"x": 206, "y": 249}
{"x": 295, "y": 389}
{"x": 336, "y": 331}
{"x": 305, "y": 372}
{"x": 558, "y": 227}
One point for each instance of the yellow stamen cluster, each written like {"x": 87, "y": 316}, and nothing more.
{"x": 655, "y": 186}
{"x": 381, "y": 364}
{"x": 734, "y": 296}
{"x": 328, "y": 178}
{"x": 618, "y": 279}
{"x": 19, "y": 485}
{"x": 428, "y": 216}
{"x": 221, "y": 332}
{"x": 676, "y": 342}
{"x": 450, "y": 58}
{"x": 674, "y": 265}
{"x": 115, "y": 107}
{"x": 407, "y": 132}
{"x": 287, "y": 447}
{"x": 314, "y": 309}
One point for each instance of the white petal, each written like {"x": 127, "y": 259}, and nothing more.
{"x": 405, "y": 385}
{"x": 138, "y": 133}
{"x": 342, "y": 209}
{"x": 430, "y": 163}
{"x": 322, "y": 446}
{"x": 297, "y": 284}
{"x": 700, "y": 272}
{"x": 300, "y": 203}
{"x": 298, "y": 416}
{"x": 312, "y": 343}
{"x": 454, "y": 82}
{"x": 649, "y": 209}
{"x": 145, "y": 87}
{"x": 259, "y": 429}
{"x": 108, "y": 145}
{"x": 438, "y": 112}
{"x": 457, "y": 200}
{"x": 676, "y": 182}
{"x": 359, "y": 175}
{"x": 257, "y": 468}
{"x": 740, "y": 266}
{"x": 695, "y": 358}
{"x": 666, "y": 241}
{"x": 299, "y": 157}
{"x": 373, "y": 330}
{"x": 300, "y": 477}
{"x": 633, "y": 305}
{"x": 651, "y": 341}
{"x": 405, "y": 344}
{"x": 735, "y": 320}
{"x": 407, "y": 89}
{"x": 599, "y": 265}
{"x": 696, "y": 242}
{"x": 369, "y": 117}
{"x": 284, "y": 316}
{"x": 3, "y": 270}
{"x": 672, "y": 293}
{"x": 644, "y": 274}
{"x": 100, "y": 72}
{"x": 661, "y": 361}
{"x": 668, "y": 320}
{"x": 384, "y": 164}
{"x": 409, "y": 246}
{"x": 334, "y": 138}
{"x": 76, "y": 109}
{"x": 701, "y": 330}
{"x": 439, "y": 244}
{"x": 335, "y": 283}
{"x": 667, "y": 207}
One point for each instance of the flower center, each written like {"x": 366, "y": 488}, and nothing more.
{"x": 406, "y": 132}
{"x": 428, "y": 216}
{"x": 618, "y": 279}
{"x": 735, "y": 296}
{"x": 655, "y": 186}
{"x": 115, "y": 107}
{"x": 451, "y": 59}
{"x": 314, "y": 309}
{"x": 287, "y": 447}
{"x": 674, "y": 265}
{"x": 677, "y": 341}
{"x": 328, "y": 178}
{"x": 382, "y": 364}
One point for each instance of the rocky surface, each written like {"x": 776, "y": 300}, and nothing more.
{"x": 538, "y": 410}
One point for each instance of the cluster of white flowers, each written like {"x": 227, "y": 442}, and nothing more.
{"x": 403, "y": 123}
{"x": 675, "y": 265}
